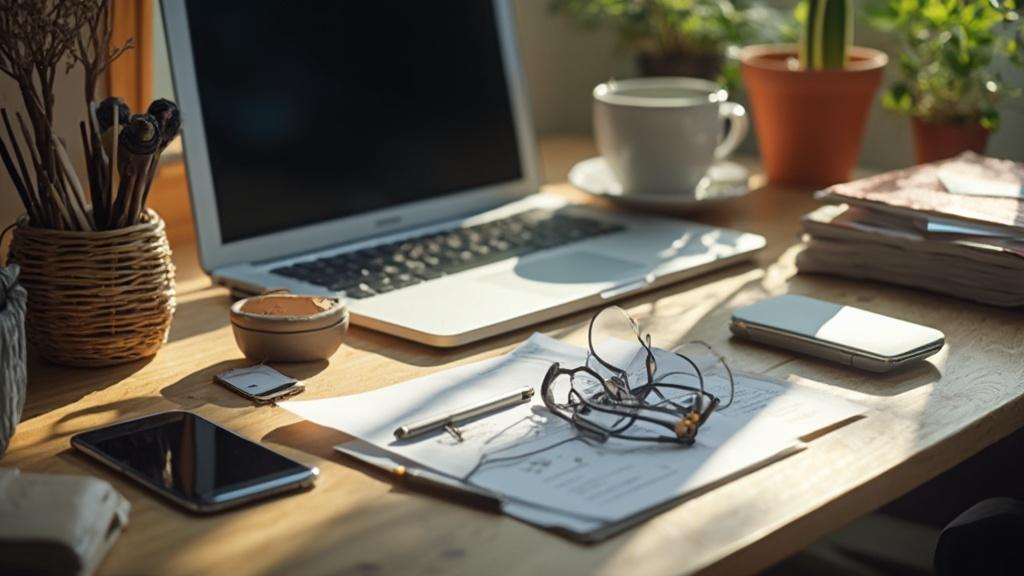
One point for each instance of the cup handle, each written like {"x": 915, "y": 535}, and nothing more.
{"x": 738, "y": 126}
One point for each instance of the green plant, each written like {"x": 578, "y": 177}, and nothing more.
{"x": 673, "y": 26}
{"x": 827, "y": 33}
{"x": 679, "y": 28}
{"x": 952, "y": 53}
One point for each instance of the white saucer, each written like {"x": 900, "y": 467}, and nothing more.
{"x": 724, "y": 180}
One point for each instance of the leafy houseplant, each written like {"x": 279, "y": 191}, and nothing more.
{"x": 95, "y": 262}
{"x": 678, "y": 37}
{"x": 810, "y": 101}
{"x": 951, "y": 53}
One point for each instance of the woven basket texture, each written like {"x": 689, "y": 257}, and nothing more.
{"x": 96, "y": 298}
{"x": 13, "y": 375}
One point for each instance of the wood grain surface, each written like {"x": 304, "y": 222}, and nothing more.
{"x": 920, "y": 422}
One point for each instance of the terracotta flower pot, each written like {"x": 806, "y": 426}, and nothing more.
{"x": 809, "y": 122}
{"x": 939, "y": 140}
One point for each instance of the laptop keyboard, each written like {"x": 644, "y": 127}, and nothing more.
{"x": 381, "y": 269}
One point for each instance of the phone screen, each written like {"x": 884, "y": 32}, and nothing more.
{"x": 190, "y": 458}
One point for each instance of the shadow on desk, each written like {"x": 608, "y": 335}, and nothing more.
{"x": 199, "y": 388}
{"x": 199, "y": 313}
{"x": 875, "y": 384}
{"x": 715, "y": 317}
{"x": 314, "y": 439}
{"x": 413, "y": 353}
{"x": 427, "y": 356}
{"x": 54, "y": 387}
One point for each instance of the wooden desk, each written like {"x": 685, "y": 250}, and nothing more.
{"x": 921, "y": 422}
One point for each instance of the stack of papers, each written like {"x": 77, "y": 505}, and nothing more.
{"x": 539, "y": 465}
{"x": 954, "y": 227}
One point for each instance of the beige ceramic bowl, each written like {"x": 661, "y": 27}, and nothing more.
{"x": 289, "y": 327}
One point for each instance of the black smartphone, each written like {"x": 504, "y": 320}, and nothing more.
{"x": 194, "y": 462}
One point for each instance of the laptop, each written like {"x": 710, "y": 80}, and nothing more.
{"x": 386, "y": 155}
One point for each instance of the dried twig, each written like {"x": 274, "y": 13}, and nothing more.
{"x": 36, "y": 36}
{"x": 121, "y": 156}
{"x": 92, "y": 48}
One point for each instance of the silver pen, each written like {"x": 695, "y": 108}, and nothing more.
{"x": 450, "y": 421}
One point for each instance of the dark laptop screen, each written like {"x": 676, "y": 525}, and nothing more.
{"x": 320, "y": 110}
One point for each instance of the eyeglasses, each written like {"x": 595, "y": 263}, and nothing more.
{"x": 635, "y": 393}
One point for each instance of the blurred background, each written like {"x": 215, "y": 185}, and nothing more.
{"x": 564, "y": 59}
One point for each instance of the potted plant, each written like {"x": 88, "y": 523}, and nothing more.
{"x": 811, "y": 100}
{"x": 950, "y": 84}
{"x": 95, "y": 262}
{"x": 678, "y": 38}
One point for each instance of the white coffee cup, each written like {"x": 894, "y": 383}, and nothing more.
{"x": 661, "y": 135}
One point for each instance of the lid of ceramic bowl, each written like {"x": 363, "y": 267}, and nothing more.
{"x": 288, "y": 312}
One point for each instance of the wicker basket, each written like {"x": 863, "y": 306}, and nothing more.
{"x": 12, "y": 353}
{"x": 96, "y": 298}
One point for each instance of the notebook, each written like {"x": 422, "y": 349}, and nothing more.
{"x": 969, "y": 188}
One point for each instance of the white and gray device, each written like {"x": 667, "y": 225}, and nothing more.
{"x": 843, "y": 334}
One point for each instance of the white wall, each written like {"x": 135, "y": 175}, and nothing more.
{"x": 562, "y": 65}
{"x": 162, "y": 86}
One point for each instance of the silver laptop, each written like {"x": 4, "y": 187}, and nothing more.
{"x": 387, "y": 155}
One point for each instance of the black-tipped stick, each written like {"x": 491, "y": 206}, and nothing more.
{"x": 16, "y": 179}
{"x": 168, "y": 118}
{"x": 26, "y": 177}
{"x": 121, "y": 202}
{"x": 61, "y": 217}
{"x": 141, "y": 188}
{"x": 103, "y": 167}
{"x": 33, "y": 155}
{"x": 74, "y": 188}
{"x": 95, "y": 195}
{"x": 138, "y": 142}
{"x": 57, "y": 211}
{"x": 149, "y": 178}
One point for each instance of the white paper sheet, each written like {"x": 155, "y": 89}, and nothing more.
{"x": 537, "y": 461}
{"x": 959, "y": 180}
{"x": 380, "y": 458}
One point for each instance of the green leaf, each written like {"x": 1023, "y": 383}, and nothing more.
{"x": 936, "y": 12}
{"x": 960, "y": 33}
{"x": 907, "y": 6}
{"x": 898, "y": 98}
{"x": 989, "y": 119}
{"x": 882, "y": 16}
{"x": 800, "y": 12}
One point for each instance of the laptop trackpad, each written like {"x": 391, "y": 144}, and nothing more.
{"x": 577, "y": 267}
